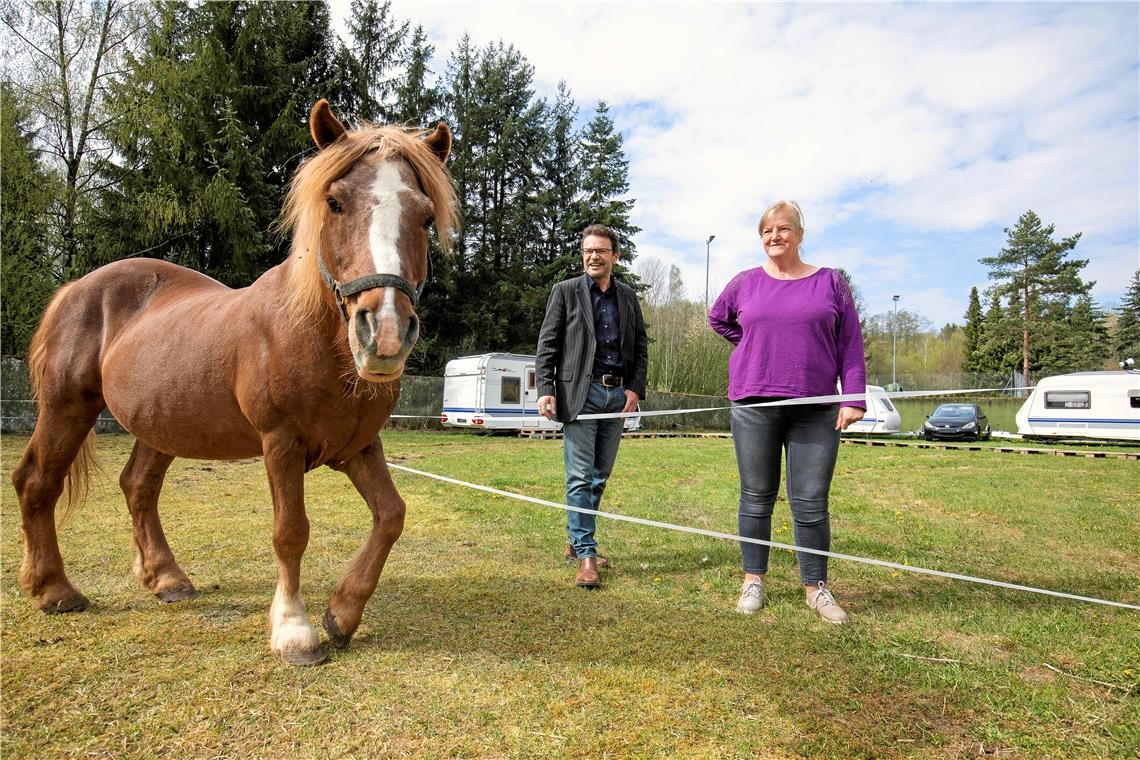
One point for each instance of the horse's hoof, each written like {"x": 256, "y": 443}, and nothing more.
{"x": 337, "y": 638}
{"x": 178, "y": 594}
{"x": 305, "y": 656}
{"x": 75, "y": 603}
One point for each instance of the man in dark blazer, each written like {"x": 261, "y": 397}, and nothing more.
{"x": 592, "y": 358}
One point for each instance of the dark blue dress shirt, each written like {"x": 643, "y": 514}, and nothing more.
{"x": 607, "y": 352}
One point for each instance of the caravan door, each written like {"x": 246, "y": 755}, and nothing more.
{"x": 530, "y": 398}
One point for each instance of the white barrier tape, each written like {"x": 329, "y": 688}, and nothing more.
{"x": 773, "y": 544}
{"x": 833, "y": 399}
{"x": 837, "y": 398}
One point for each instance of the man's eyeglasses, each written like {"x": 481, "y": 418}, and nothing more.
{"x": 596, "y": 251}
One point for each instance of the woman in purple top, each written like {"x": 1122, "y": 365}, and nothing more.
{"x": 796, "y": 333}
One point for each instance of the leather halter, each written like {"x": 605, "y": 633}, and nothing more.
{"x": 341, "y": 291}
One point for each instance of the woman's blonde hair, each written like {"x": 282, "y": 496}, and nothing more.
{"x": 778, "y": 205}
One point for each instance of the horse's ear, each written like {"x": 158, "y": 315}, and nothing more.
{"x": 324, "y": 125}
{"x": 440, "y": 141}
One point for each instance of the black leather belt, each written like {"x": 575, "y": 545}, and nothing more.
{"x": 609, "y": 381}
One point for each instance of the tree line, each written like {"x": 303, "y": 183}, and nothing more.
{"x": 170, "y": 130}
{"x": 1041, "y": 320}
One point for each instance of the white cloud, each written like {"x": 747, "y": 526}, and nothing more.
{"x": 935, "y": 119}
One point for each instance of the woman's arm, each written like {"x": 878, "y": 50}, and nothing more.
{"x": 722, "y": 316}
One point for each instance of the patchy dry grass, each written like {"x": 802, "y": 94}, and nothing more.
{"x": 478, "y": 645}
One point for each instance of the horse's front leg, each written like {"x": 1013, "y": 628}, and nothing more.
{"x": 291, "y": 635}
{"x": 369, "y": 473}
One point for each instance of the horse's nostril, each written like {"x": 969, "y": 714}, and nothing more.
{"x": 413, "y": 324}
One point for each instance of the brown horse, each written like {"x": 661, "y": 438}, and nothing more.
{"x": 195, "y": 369}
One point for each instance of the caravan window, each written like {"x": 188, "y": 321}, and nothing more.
{"x": 886, "y": 402}
{"x": 530, "y": 379}
{"x": 1134, "y": 399}
{"x": 509, "y": 391}
{"x": 1068, "y": 400}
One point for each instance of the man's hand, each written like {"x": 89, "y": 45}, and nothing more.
{"x": 631, "y": 399}
{"x": 547, "y": 407}
{"x": 848, "y": 415}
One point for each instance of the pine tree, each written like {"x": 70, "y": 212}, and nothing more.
{"x": 1126, "y": 336}
{"x": 1034, "y": 269}
{"x": 973, "y": 334}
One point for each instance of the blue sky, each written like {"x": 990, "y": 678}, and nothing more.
{"x": 910, "y": 134}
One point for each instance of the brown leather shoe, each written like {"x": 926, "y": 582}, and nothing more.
{"x": 570, "y": 556}
{"x": 588, "y": 573}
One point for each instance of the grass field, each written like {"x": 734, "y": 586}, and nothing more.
{"x": 477, "y": 644}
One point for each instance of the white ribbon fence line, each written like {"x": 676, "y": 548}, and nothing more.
{"x": 773, "y": 544}
{"x": 833, "y": 399}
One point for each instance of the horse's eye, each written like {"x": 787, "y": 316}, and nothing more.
{"x": 334, "y": 204}
{"x": 429, "y": 222}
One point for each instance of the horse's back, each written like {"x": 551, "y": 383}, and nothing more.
{"x": 85, "y": 316}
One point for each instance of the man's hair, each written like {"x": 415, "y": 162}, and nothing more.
{"x": 601, "y": 230}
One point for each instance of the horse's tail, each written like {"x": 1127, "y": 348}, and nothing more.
{"x": 78, "y": 480}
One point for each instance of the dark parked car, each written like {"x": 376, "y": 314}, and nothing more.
{"x": 957, "y": 422}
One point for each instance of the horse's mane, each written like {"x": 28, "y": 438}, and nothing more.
{"x": 305, "y": 202}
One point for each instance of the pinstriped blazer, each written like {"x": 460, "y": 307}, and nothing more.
{"x": 564, "y": 360}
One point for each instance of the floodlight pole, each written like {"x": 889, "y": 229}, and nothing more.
{"x": 707, "y": 243}
{"x": 894, "y": 329}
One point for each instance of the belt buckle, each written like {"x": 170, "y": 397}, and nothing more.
{"x": 608, "y": 381}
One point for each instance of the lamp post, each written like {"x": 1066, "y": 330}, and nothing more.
{"x": 894, "y": 329}
{"x": 707, "y": 243}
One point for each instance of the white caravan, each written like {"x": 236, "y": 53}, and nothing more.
{"x": 1083, "y": 405}
{"x": 881, "y": 417}
{"x": 496, "y": 392}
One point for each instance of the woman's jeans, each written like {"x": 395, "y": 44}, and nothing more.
{"x": 589, "y": 450}
{"x": 808, "y": 433}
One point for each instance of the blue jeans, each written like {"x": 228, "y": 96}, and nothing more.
{"x": 808, "y": 434}
{"x": 589, "y": 450}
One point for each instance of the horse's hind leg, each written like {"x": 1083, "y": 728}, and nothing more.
{"x": 59, "y": 437}
{"x": 155, "y": 566}
{"x": 368, "y": 471}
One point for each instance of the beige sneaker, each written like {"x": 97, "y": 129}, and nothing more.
{"x": 751, "y": 597}
{"x": 824, "y": 603}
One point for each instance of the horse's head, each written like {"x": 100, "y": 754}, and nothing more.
{"x": 362, "y": 209}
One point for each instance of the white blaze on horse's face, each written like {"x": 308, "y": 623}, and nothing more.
{"x": 384, "y": 232}
{"x": 383, "y": 324}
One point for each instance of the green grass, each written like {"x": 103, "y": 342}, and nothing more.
{"x": 477, "y": 644}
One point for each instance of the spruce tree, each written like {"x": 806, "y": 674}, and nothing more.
{"x": 27, "y": 280}
{"x": 418, "y": 102}
{"x": 378, "y": 47}
{"x": 218, "y": 100}
{"x": 998, "y": 345}
{"x": 560, "y": 185}
{"x": 973, "y": 334}
{"x": 1126, "y": 335}
{"x": 605, "y": 181}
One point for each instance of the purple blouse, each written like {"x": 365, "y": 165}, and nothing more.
{"x": 793, "y": 338}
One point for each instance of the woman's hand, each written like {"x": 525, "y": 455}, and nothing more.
{"x": 848, "y": 415}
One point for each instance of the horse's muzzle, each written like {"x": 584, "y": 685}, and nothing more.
{"x": 381, "y": 339}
